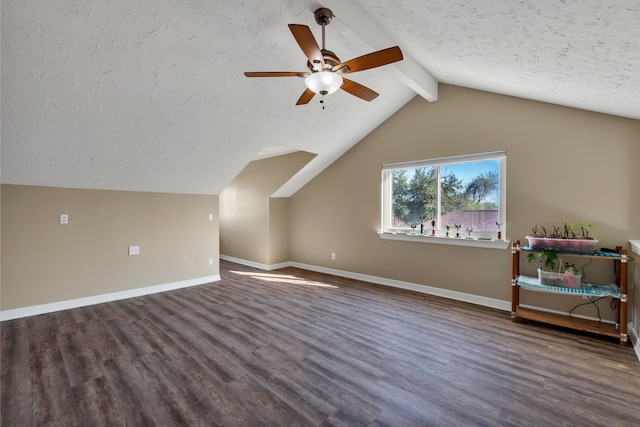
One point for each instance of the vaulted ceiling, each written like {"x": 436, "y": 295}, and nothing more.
{"x": 149, "y": 95}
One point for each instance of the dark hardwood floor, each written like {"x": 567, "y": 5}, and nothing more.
{"x": 297, "y": 348}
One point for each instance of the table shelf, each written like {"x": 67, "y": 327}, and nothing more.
{"x": 577, "y": 324}
{"x": 617, "y": 290}
{"x": 585, "y": 289}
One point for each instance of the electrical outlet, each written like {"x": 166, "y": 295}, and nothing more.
{"x": 333, "y": 256}
{"x": 210, "y": 261}
{"x": 134, "y": 250}
{"x": 64, "y": 219}
{"x": 210, "y": 217}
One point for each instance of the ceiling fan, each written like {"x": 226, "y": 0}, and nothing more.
{"x": 325, "y": 74}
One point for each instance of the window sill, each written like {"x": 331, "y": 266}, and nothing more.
{"x": 439, "y": 240}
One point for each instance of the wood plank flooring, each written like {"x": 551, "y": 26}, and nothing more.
{"x": 296, "y": 348}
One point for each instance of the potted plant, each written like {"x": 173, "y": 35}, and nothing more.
{"x": 547, "y": 258}
{"x": 569, "y": 277}
{"x": 562, "y": 239}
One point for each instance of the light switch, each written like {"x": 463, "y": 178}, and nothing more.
{"x": 134, "y": 250}
{"x": 210, "y": 217}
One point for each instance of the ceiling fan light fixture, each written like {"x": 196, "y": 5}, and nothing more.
{"x": 326, "y": 69}
{"x": 323, "y": 82}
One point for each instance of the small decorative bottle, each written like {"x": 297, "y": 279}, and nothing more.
{"x": 433, "y": 227}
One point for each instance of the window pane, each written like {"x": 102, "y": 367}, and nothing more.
{"x": 413, "y": 196}
{"x": 471, "y": 195}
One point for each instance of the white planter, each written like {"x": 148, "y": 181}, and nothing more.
{"x": 562, "y": 280}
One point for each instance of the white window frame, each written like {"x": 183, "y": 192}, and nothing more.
{"x": 485, "y": 238}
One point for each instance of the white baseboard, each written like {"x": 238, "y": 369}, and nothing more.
{"x": 267, "y": 267}
{"x": 99, "y": 299}
{"x": 635, "y": 339}
{"x": 445, "y": 293}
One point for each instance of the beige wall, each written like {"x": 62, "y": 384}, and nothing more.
{"x": 249, "y": 225}
{"x": 279, "y": 230}
{"x": 44, "y": 261}
{"x": 563, "y": 165}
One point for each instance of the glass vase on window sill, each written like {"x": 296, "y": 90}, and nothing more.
{"x": 469, "y": 231}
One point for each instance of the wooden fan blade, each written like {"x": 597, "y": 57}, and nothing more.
{"x": 356, "y": 89}
{"x": 276, "y": 74}
{"x": 371, "y": 60}
{"x": 307, "y": 42}
{"x": 306, "y": 96}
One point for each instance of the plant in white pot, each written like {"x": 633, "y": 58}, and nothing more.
{"x": 547, "y": 258}
{"x": 567, "y": 275}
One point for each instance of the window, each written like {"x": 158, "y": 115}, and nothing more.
{"x": 465, "y": 193}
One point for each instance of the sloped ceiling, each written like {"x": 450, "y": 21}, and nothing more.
{"x": 149, "y": 95}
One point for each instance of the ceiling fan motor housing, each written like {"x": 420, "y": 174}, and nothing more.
{"x": 330, "y": 61}
{"x": 323, "y": 16}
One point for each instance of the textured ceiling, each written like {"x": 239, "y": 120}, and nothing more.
{"x": 149, "y": 95}
{"x": 577, "y": 53}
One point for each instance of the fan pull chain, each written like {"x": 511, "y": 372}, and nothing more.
{"x": 322, "y": 100}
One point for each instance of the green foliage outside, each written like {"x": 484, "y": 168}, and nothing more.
{"x": 415, "y": 197}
